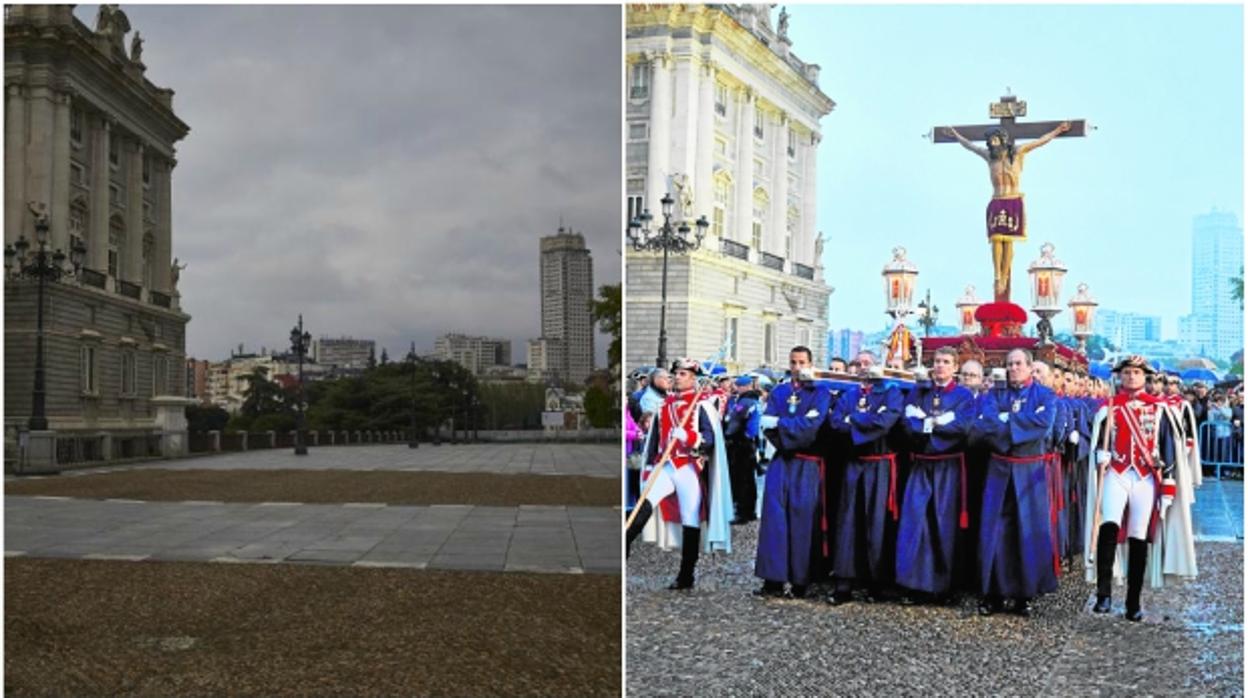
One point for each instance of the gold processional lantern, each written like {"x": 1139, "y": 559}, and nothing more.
{"x": 1046, "y": 274}
{"x": 899, "y": 276}
{"x": 1083, "y": 309}
{"x": 967, "y": 305}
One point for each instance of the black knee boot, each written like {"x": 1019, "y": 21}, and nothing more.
{"x": 1138, "y": 550}
{"x": 690, "y": 541}
{"x": 1106, "y": 548}
{"x": 634, "y": 530}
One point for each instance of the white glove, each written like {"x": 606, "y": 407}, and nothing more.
{"x": 680, "y": 435}
{"x": 1074, "y": 437}
{"x": 847, "y": 419}
{"x": 1004, "y": 417}
{"x": 946, "y": 418}
{"x": 768, "y": 421}
{"x": 915, "y": 412}
{"x": 1167, "y": 496}
{"x": 1102, "y": 457}
{"x": 812, "y": 414}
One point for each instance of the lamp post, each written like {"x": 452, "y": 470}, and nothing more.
{"x": 667, "y": 240}
{"x": 437, "y": 429}
{"x": 967, "y": 305}
{"x": 1083, "y": 308}
{"x": 1046, "y": 274}
{"x": 899, "y": 275}
{"x": 414, "y": 441}
{"x": 42, "y": 266}
{"x": 299, "y": 342}
{"x": 928, "y": 314}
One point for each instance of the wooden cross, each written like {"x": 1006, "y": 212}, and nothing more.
{"x": 1005, "y": 112}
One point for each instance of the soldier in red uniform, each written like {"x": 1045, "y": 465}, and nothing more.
{"x": 694, "y": 436}
{"x": 1136, "y": 460}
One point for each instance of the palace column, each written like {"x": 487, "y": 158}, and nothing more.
{"x": 780, "y": 188}
{"x": 162, "y": 259}
{"x": 97, "y": 242}
{"x": 744, "y": 171}
{"x": 703, "y": 185}
{"x": 657, "y": 167}
{"x": 133, "y": 269}
{"x": 807, "y": 226}
{"x": 14, "y": 162}
{"x": 58, "y": 205}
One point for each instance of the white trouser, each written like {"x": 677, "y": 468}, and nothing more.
{"x": 1123, "y": 488}
{"x": 684, "y": 482}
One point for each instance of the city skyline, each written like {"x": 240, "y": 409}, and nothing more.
{"x": 374, "y": 173}
{"x": 1163, "y": 85}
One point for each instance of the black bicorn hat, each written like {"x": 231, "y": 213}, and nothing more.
{"x": 1135, "y": 361}
{"x": 687, "y": 364}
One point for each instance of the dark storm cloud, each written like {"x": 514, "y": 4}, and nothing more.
{"x": 386, "y": 171}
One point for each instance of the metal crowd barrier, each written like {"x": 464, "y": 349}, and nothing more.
{"x": 1221, "y": 452}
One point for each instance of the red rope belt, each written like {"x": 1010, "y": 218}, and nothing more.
{"x": 964, "y": 519}
{"x": 892, "y": 480}
{"x": 823, "y": 497}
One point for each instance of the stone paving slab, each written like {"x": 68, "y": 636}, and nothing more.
{"x": 595, "y": 460}
{"x": 530, "y": 539}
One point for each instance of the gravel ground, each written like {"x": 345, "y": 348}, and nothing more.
{"x": 719, "y": 640}
{"x": 329, "y": 486}
{"x": 158, "y": 629}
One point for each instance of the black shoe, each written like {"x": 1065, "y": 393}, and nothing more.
{"x": 689, "y": 548}
{"x": 1134, "y": 616}
{"x": 989, "y": 606}
{"x": 797, "y": 591}
{"x": 1023, "y": 607}
{"x": 872, "y": 595}
{"x": 1103, "y": 604}
{"x": 773, "y": 590}
{"x": 839, "y": 598}
{"x": 1137, "y": 559}
{"x": 908, "y": 600}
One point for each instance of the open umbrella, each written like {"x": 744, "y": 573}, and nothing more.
{"x": 1199, "y": 374}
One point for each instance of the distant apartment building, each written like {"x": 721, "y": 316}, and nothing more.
{"x": 477, "y": 354}
{"x": 1215, "y": 327}
{"x": 543, "y": 359}
{"x": 567, "y": 288}
{"x": 197, "y": 371}
{"x": 343, "y": 354}
{"x": 844, "y": 343}
{"x": 1127, "y": 331}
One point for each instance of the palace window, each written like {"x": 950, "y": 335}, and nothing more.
{"x": 114, "y": 151}
{"x": 88, "y": 377}
{"x": 147, "y": 171}
{"x": 759, "y": 119}
{"x": 756, "y": 239}
{"x": 160, "y": 374}
{"x": 114, "y": 195}
{"x": 116, "y": 242}
{"x": 75, "y": 126}
{"x": 149, "y": 253}
{"x": 640, "y": 82}
{"x": 730, "y": 331}
{"x": 636, "y": 197}
{"x": 129, "y": 368}
{"x": 77, "y": 219}
{"x": 769, "y": 343}
{"x": 721, "y": 99}
{"x": 792, "y": 144}
{"x": 76, "y": 175}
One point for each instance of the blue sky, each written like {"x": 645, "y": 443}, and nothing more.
{"x": 1163, "y": 84}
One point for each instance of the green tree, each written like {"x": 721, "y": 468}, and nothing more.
{"x": 1237, "y": 287}
{"x": 385, "y": 358}
{"x": 263, "y": 396}
{"x": 607, "y": 313}
{"x": 600, "y": 409}
{"x": 201, "y": 418}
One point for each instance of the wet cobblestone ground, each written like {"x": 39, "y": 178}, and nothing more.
{"x": 719, "y": 640}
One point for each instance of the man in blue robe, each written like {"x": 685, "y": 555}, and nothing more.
{"x": 868, "y": 506}
{"x": 1016, "y": 550}
{"x": 934, "y": 507}
{"x": 790, "y": 533}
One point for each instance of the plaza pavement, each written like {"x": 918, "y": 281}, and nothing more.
{"x": 594, "y": 460}
{"x": 719, "y": 640}
{"x": 555, "y": 539}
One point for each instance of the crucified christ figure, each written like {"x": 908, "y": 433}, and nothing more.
{"x": 1005, "y": 212}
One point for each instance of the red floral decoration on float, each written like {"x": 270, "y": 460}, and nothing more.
{"x": 1000, "y": 320}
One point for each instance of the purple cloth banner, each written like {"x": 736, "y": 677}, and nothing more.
{"x": 1005, "y": 219}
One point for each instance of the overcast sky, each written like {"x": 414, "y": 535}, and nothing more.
{"x": 1164, "y": 84}
{"x": 386, "y": 171}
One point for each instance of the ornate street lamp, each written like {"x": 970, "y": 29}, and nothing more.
{"x": 928, "y": 314}
{"x": 1083, "y": 308}
{"x": 43, "y": 266}
{"x": 1046, "y": 274}
{"x": 899, "y": 276}
{"x": 967, "y": 305}
{"x": 668, "y": 240}
{"x": 414, "y": 360}
{"x": 299, "y": 343}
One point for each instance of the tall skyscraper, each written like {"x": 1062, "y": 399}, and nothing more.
{"x": 1215, "y": 326}
{"x": 567, "y": 321}
{"x": 724, "y": 117}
